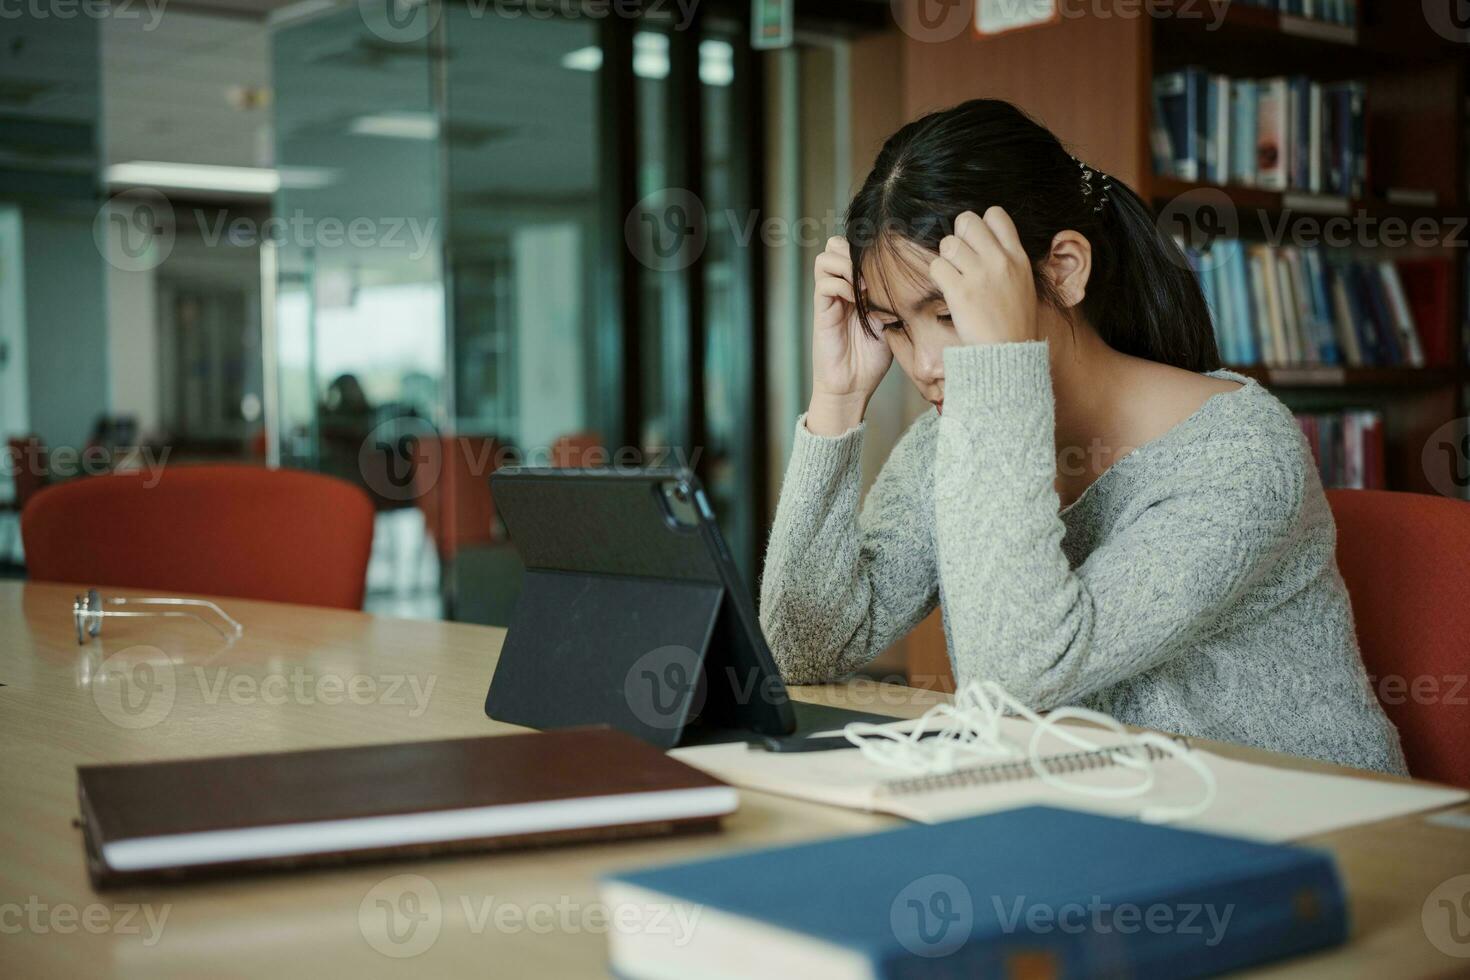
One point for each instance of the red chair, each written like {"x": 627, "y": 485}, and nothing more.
{"x": 578, "y": 450}
{"x": 454, "y": 495}
{"x": 244, "y": 531}
{"x": 1406, "y": 560}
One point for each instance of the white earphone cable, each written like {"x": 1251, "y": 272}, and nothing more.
{"x": 968, "y": 732}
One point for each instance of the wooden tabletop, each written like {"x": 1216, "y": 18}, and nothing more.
{"x": 309, "y": 678}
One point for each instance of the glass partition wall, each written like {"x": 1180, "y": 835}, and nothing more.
{"x": 549, "y": 269}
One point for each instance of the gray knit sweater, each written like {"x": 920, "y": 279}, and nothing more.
{"x": 1192, "y": 588}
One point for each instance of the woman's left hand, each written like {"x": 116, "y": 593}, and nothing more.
{"x": 986, "y": 279}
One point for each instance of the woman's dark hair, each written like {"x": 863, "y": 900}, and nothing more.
{"x": 1142, "y": 297}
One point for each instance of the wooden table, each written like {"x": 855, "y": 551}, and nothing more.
{"x": 309, "y": 678}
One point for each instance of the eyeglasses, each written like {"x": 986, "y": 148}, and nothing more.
{"x": 87, "y": 612}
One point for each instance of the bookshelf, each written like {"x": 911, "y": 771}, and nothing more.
{"x": 1090, "y": 75}
{"x": 1416, "y": 136}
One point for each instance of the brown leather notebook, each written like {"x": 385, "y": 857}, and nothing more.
{"x": 163, "y": 820}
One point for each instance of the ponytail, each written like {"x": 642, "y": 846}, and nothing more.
{"x": 1147, "y": 302}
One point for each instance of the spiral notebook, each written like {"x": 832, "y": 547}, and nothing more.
{"x": 1253, "y": 800}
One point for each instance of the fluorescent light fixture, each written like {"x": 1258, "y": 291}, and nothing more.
{"x": 716, "y": 62}
{"x": 583, "y": 59}
{"x": 651, "y": 55}
{"x": 651, "y": 59}
{"x": 209, "y": 177}
{"x": 397, "y": 125}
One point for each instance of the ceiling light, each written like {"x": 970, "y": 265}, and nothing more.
{"x": 583, "y": 59}
{"x": 716, "y": 62}
{"x": 397, "y": 125}
{"x": 651, "y": 59}
{"x": 207, "y": 177}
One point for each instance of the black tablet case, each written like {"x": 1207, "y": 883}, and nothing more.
{"x": 628, "y": 616}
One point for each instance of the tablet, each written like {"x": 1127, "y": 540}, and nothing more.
{"x": 632, "y": 614}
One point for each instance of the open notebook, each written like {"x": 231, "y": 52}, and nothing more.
{"x": 1253, "y": 800}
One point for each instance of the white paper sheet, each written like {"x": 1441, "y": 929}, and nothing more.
{"x": 1259, "y": 801}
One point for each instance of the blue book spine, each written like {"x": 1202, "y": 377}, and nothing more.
{"x": 1228, "y": 329}
{"x": 1243, "y": 131}
{"x": 1197, "y": 265}
{"x": 1301, "y": 138}
{"x": 1203, "y": 136}
{"x": 1251, "y": 344}
{"x": 1172, "y": 102}
{"x": 1359, "y": 138}
{"x": 1327, "y": 347}
{"x": 1383, "y": 318}
{"x": 1234, "y": 267}
{"x": 1344, "y": 150}
{"x": 1367, "y": 331}
{"x": 1214, "y": 166}
{"x": 1260, "y": 929}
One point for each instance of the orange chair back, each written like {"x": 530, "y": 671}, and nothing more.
{"x": 453, "y": 492}
{"x": 578, "y": 450}
{"x": 242, "y": 531}
{"x": 1406, "y": 560}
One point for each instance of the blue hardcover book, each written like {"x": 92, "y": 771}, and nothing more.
{"x": 1383, "y": 318}
{"x": 1243, "y": 131}
{"x": 1198, "y": 265}
{"x": 1300, "y": 97}
{"x": 1371, "y": 334}
{"x": 1327, "y": 348}
{"x": 1214, "y": 165}
{"x": 1239, "y": 269}
{"x": 1363, "y": 329}
{"x": 1211, "y": 146}
{"x": 1227, "y": 321}
{"x": 1179, "y": 101}
{"x": 1034, "y": 892}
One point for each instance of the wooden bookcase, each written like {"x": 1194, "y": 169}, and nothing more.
{"x": 1089, "y": 77}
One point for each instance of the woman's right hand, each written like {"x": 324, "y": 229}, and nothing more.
{"x": 847, "y": 363}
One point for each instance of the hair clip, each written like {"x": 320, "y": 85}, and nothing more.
{"x": 1088, "y": 174}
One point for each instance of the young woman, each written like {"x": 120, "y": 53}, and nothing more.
{"x": 1105, "y": 517}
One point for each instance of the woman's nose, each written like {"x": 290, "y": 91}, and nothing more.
{"x": 930, "y": 362}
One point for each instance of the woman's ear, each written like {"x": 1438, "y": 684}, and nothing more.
{"x": 1069, "y": 265}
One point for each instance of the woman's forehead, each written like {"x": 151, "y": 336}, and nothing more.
{"x": 895, "y": 276}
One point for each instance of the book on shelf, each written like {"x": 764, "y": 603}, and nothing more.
{"x": 1344, "y": 12}
{"x": 1289, "y": 306}
{"x": 1278, "y": 134}
{"x": 1347, "y": 447}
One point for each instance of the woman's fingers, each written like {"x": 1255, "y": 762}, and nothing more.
{"x": 834, "y": 287}
{"x": 977, "y": 234}
{"x": 947, "y": 277}
{"x": 960, "y": 254}
{"x": 1004, "y": 230}
{"x": 834, "y": 264}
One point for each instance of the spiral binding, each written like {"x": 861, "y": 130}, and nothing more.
{"x": 1062, "y": 764}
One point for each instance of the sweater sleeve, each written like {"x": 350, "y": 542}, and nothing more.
{"x": 1018, "y": 612}
{"x": 839, "y": 587}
